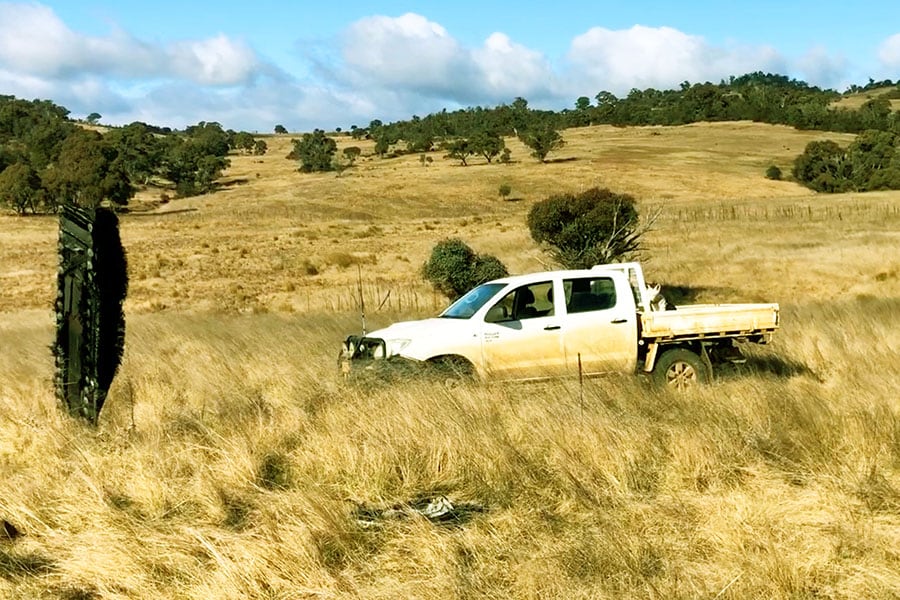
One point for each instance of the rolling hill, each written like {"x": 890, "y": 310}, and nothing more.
{"x": 232, "y": 461}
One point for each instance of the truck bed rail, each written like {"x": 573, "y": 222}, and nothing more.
{"x": 704, "y": 321}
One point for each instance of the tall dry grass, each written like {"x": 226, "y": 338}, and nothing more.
{"x": 232, "y": 461}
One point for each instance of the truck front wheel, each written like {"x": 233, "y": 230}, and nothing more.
{"x": 680, "y": 369}
{"x": 451, "y": 370}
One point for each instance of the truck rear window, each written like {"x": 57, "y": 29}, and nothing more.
{"x": 586, "y": 294}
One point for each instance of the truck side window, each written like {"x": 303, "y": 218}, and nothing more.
{"x": 587, "y": 294}
{"x": 526, "y": 302}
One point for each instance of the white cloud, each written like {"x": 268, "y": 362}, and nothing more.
{"x": 126, "y": 79}
{"x": 35, "y": 42}
{"x": 26, "y": 86}
{"x": 508, "y": 69}
{"x": 380, "y": 67}
{"x": 216, "y": 61}
{"x": 416, "y": 63}
{"x": 658, "y": 57}
{"x": 637, "y": 57}
{"x": 889, "y": 52}
{"x": 820, "y": 68}
{"x": 407, "y": 52}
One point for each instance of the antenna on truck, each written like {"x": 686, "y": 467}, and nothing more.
{"x": 362, "y": 302}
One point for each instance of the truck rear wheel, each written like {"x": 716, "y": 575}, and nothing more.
{"x": 680, "y": 369}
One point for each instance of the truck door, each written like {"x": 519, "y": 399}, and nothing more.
{"x": 600, "y": 325}
{"x": 522, "y": 335}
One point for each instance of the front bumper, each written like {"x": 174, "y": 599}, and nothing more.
{"x": 368, "y": 354}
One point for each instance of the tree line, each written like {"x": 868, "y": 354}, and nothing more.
{"x": 47, "y": 160}
{"x": 870, "y": 162}
{"x": 460, "y": 135}
{"x": 761, "y": 97}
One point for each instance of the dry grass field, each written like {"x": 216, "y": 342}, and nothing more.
{"x": 854, "y": 101}
{"x": 231, "y": 461}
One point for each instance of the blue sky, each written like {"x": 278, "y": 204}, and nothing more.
{"x": 252, "y": 65}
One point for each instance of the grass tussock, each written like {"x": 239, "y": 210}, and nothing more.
{"x": 231, "y": 460}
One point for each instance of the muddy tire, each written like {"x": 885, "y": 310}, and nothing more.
{"x": 680, "y": 369}
{"x": 92, "y": 282}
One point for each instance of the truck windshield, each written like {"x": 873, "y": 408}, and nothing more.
{"x": 474, "y": 299}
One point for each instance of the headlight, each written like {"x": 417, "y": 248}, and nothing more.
{"x": 396, "y": 346}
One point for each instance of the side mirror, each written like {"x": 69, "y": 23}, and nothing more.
{"x": 496, "y": 314}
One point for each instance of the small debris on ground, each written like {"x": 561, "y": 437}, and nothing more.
{"x": 437, "y": 509}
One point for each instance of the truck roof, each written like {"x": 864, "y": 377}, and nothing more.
{"x": 565, "y": 273}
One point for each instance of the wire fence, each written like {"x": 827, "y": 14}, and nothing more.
{"x": 799, "y": 212}
{"x": 373, "y": 298}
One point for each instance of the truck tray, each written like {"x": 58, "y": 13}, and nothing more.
{"x": 710, "y": 320}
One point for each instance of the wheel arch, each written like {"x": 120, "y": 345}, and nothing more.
{"x": 682, "y": 362}
{"x": 458, "y": 361}
{"x": 657, "y": 349}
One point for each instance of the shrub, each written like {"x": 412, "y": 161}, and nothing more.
{"x": 309, "y": 268}
{"x": 488, "y": 267}
{"x": 505, "y": 190}
{"x": 315, "y": 151}
{"x": 454, "y": 268}
{"x": 594, "y": 227}
{"x": 823, "y": 167}
{"x": 773, "y": 173}
{"x": 870, "y": 162}
{"x": 542, "y": 140}
{"x": 351, "y": 153}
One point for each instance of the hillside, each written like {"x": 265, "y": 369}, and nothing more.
{"x": 252, "y": 245}
{"x": 856, "y": 100}
{"x": 232, "y": 461}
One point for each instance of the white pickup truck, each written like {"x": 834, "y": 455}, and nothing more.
{"x": 558, "y": 323}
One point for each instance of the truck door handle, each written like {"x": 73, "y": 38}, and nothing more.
{"x": 551, "y": 327}
{"x": 618, "y": 321}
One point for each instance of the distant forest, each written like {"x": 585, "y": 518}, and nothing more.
{"x": 47, "y": 159}
{"x": 761, "y": 97}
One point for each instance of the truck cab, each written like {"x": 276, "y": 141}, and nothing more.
{"x": 551, "y": 324}
{"x": 529, "y": 326}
